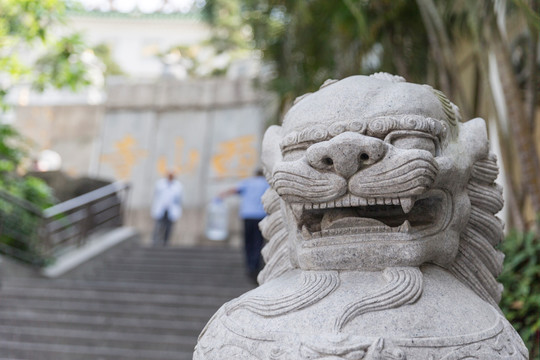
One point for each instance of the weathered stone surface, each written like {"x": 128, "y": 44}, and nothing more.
{"x": 381, "y": 233}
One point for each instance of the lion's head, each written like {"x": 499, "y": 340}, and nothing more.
{"x": 374, "y": 172}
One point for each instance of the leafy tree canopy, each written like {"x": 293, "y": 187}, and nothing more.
{"x": 308, "y": 42}
{"x": 461, "y": 47}
{"x": 26, "y": 29}
{"x": 31, "y": 53}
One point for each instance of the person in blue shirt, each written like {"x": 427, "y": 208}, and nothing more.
{"x": 251, "y": 212}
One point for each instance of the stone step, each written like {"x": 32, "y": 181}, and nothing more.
{"x": 135, "y": 287}
{"x": 146, "y": 311}
{"x": 48, "y": 319}
{"x": 174, "y": 270}
{"x": 183, "y": 259}
{"x": 219, "y": 281}
{"x": 169, "y": 267}
{"x": 198, "y": 250}
{"x": 76, "y": 352}
{"x": 202, "y": 258}
{"x": 112, "y": 297}
{"x": 167, "y": 278}
{"x": 92, "y": 338}
{"x": 193, "y": 254}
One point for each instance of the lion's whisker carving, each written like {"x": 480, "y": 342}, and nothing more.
{"x": 404, "y": 287}
{"x": 315, "y": 286}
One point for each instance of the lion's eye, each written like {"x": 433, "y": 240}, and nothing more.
{"x": 414, "y": 141}
{"x": 295, "y": 151}
{"x": 293, "y": 155}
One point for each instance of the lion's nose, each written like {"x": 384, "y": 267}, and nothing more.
{"x": 346, "y": 153}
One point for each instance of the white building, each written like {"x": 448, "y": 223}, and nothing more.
{"x": 136, "y": 39}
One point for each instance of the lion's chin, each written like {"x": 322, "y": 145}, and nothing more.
{"x": 351, "y": 219}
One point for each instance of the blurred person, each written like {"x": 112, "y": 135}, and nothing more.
{"x": 166, "y": 208}
{"x": 251, "y": 212}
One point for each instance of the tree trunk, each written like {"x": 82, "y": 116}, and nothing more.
{"x": 444, "y": 53}
{"x": 532, "y": 59}
{"x": 520, "y": 126}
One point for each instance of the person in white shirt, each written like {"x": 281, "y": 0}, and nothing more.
{"x": 166, "y": 208}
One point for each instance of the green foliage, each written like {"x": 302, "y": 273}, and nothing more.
{"x": 62, "y": 66}
{"x": 20, "y": 224}
{"x": 227, "y": 19}
{"x": 310, "y": 41}
{"x": 521, "y": 279}
{"x": 103, "y": 52}
{"x": 27, "y": 20}
{"x": 13, "y": 149}
{"x": 199, "y": 60}
{"x": 22, "y": 24}
{"x": 26, "y": 28}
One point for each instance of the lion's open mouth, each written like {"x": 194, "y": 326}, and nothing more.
{"x": 352, "y": 215}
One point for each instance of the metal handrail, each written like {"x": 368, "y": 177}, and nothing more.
{"x": 62, "y": 226}
{"x": 83, "y": 199}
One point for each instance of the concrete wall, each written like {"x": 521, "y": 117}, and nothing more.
{"x": 72, "y": 131}
{"x": 208, "y": 131}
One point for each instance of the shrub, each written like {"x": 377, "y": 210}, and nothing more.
{"x": 521, "y": 279}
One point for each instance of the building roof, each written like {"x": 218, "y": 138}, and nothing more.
{"x": 135, "y": 15}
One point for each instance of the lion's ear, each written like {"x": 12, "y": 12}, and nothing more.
{"x": 473, "y": 137}
{"x": 271, "y": 152}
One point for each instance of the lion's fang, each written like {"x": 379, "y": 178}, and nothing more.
{"x": 305, "y": 232}
{"x": 405, "y": 227}
{"x": 297, "y": 210}
{"x": 406, "y": 204}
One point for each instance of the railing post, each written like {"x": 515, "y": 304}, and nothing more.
{"x": 86, "y": 224}
{"x": 45, "y": 242}
{"x": 123, "y": 202}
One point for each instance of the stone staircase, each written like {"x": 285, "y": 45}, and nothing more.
{"x": 134, "y": 303}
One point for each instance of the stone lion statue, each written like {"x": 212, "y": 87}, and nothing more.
{"x": 381, "y": 232}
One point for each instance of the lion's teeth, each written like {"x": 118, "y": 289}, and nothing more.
{"x": 405, "y": 227}
{"x": 297, "y": 210}
{"x": 372, "y": 201}
{"x": 380, "y": 201}
{"x": 305, "y": 232}
{"x": 308, "y": 206}
{"x": 395, "y": 201}
{"x": 406, "y": 204}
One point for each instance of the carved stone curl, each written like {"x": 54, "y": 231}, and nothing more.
{"x": 381, "y": 232}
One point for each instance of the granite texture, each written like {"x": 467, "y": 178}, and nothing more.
{"x": 381, "y": 234}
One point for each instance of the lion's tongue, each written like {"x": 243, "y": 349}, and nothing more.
{"x": 346, "y": 218}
